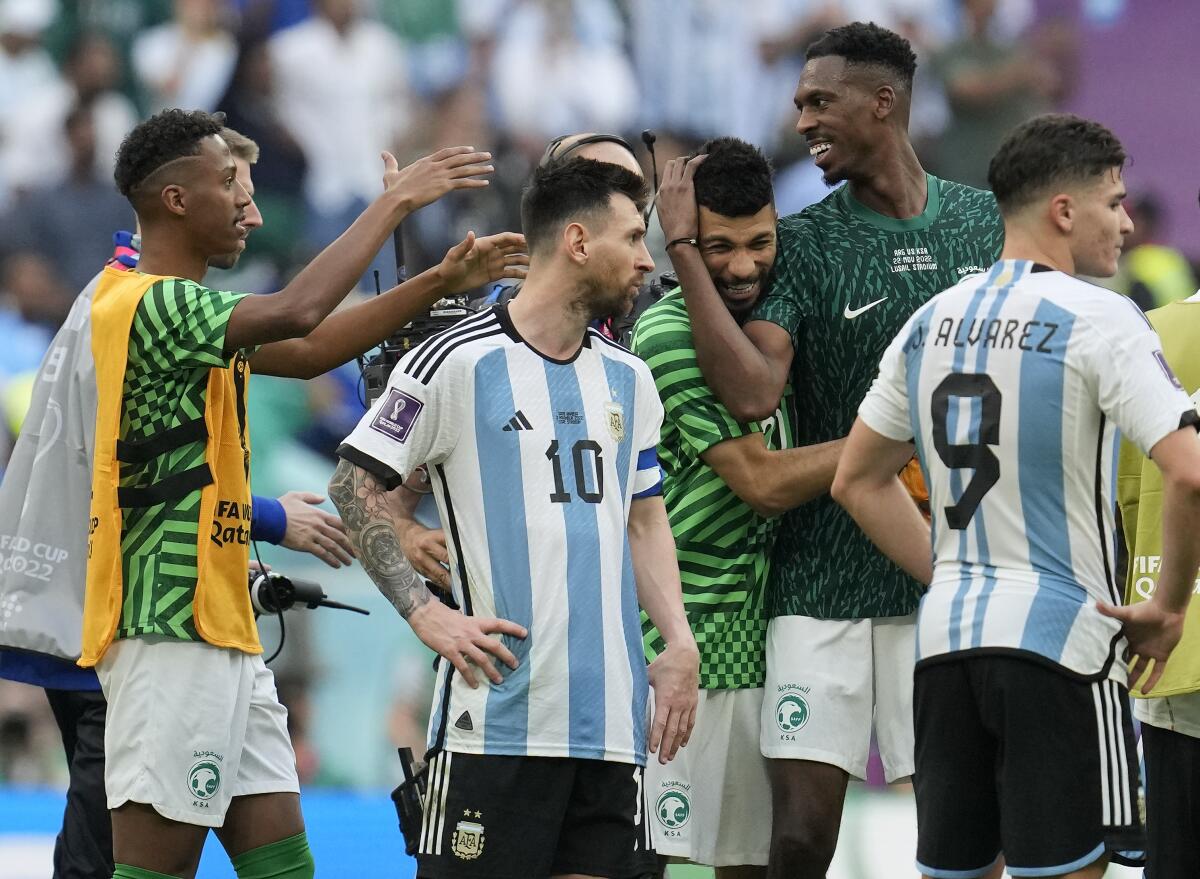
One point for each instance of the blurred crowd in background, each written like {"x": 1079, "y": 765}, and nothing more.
{"x": 324, "y": 85}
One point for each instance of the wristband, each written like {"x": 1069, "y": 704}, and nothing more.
{"x": 692, "y": 241}
{"x": 268, "y": 520}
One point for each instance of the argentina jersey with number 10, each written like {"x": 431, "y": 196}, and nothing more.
{"x": 1013, "y": 386}
{"x": 534, "y": 463}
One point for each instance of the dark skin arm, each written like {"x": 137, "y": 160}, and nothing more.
{"x": 298, "y": 308}
{"x": 773, "y": 482}
{"x": 747, "y": 368}
{"x": 347, "y": 334}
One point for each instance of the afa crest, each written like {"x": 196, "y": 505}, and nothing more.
{"x": 467, "y": 842}
{"x": 614, "y": 420}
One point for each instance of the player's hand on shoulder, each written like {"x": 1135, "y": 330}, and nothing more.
{"x": 430, "y": 177}
{"x": 310, "y": 529}
{"x": 676, "y": 199}
{"x": 477, "y": 261}
{"x": 675, "y": 677}
{"x": 1152, "y": 632}
{"x": 468, "y": 643}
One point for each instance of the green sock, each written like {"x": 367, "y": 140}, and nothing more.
{"x": 286, "y": 859}
{"x": 124, "y": 871}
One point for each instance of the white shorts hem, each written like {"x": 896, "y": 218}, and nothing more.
{"x": 278, "y": 786}
{"x": 815, "y": 755}
{"x": 178, "y": 815}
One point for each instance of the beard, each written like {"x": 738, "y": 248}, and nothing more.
{"x": 601, "y": 301}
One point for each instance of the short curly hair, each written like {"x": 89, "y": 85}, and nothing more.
{"x": 1048, "y": 151}
{"x": 735, "y": 178}
{"x": 162, "y": 138}
{"x": 868, "y": 43}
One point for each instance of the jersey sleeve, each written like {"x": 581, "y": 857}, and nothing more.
{"x": 885, "y": 408}
{"x": 648, "y": 419}
{"x": 182, "y": 324}
{"x": 786, "y": 302}
{"x": 688, "y": 402}
{"x": 1136, "y": 387}
{"x": 412, "y": 423}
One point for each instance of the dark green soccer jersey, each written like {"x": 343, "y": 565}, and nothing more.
{"x": 722, "y": 544}
{"x": 177, "y": 336}
{"x": 846, "y": 280}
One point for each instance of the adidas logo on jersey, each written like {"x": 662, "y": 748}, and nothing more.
{"x": 464, "y": 722}
{"x": 518, "y": 422}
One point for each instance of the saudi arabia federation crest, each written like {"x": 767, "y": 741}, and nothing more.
{"x": 204, "y": 779}
{"x": 467, "y": 842}
{"x": 673, "y": 809}
{"x": 791, "y": 712}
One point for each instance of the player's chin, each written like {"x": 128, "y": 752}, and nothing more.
{"x": 226, "y": 260}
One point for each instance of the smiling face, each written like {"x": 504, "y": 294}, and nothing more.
{"x": 1100, "y": 225}
{"x": 838, "y": 116}
{"x": 738, "y": 253}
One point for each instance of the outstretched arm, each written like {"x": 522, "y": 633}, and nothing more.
{"x": 370, "y": 514}
{"x": 351, "y": 332}
{"x": 746, "y": 368}
{"x": 298, "y": 308}
{"x": 773, "y": 482}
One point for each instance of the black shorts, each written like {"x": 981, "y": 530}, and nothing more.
{"x": 1015, "y": 757}
{"x": 525, "y": 817}
{"x": 1172, "y": 803}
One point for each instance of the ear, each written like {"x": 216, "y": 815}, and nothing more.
{"x": 576, "y": 241}
{"x": 173, "y": 197}
{"x": 885, "y": 101}
{"x": 1062, "y": 213}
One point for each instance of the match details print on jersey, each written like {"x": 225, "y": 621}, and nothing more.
{"x": 846, "y": 280}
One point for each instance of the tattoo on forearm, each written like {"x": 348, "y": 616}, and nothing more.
{"x": 363, "y": 505}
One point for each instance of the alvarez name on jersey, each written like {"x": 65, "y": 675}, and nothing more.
{"x": 1013, "y": 386}
{"x": 534, "y": 464}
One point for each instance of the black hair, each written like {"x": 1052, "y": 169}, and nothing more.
{"x": 869, "y": 44}
{"x": 164, "y": 137}
{"x": 735, "y": 178}
{"x": 562, "y": 191}
{"x": 1050, "y": 150}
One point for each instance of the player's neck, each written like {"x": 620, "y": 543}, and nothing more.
{"x": 1023, "y": 243}
{"x": 544, "y": 316}
{"x": 164, "y": 254}
{"x": 896, "y": 185}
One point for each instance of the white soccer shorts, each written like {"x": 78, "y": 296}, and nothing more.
{"x": 190, "y": 726}
{"x": 829, "y": 682}
{"x": 712, "y": 803}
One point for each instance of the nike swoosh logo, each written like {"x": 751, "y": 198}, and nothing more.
{"x": 852, "y": 313}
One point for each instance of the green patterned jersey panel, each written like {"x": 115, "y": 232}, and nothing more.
{"x": 846, "y": 280}
{"x": 177, "y": 336}
{"x": 723, "y": 546}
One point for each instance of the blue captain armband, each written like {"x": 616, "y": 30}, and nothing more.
{"x": 268, "y": 520}
{"x": 647, "y": 482}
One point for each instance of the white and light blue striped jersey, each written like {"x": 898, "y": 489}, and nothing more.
{"x": 534, "y": 464}
{"x": 1013, "y": 385}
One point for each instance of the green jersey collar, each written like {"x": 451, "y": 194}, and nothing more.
{"x": 933, "y": 206}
